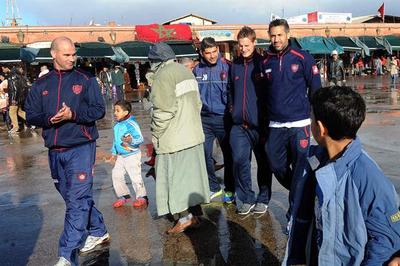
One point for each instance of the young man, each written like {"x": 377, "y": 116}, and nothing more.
{"x": 212, "y": 76}
{"x": 349, "y": 212}
{"x": 292, "y": 76}
{"x": 249, "y": 125}
{"x": 335, "y": 70}
{"x": 66, "y": 103}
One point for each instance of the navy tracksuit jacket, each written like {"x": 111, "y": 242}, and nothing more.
{"x": 292, "y": 76}
{"x": 72, "y": 149}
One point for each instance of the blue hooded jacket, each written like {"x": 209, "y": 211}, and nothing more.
{"x": 358, "y": 211}
{"x": 213, "y": 86}
{"x": 76, "y": 89}
{"x": 123, "y": 128}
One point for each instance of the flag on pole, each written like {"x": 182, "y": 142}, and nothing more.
{"x": 381, "y": 11}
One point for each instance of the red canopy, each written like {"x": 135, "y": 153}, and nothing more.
{"x": 158, "y": 33}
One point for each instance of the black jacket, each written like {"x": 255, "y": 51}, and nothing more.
{"x": 336, "y": 70}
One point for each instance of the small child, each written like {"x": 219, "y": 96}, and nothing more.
{"x": 4, "y": 102}
{"x": 127, "y": 138}
{"x": 347, "y": 212}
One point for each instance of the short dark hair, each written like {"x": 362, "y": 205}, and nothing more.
{"x": 126, "y": 106}
{"x": 279, "y": 22}
{"x": 207, "y": 42}
{"x": 340, "y": 109}
{"x": 246, "y": 32}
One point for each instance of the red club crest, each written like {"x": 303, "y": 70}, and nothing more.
{"x": 81, "y": 177}
{"x": 45, "y": 93}
{"x": 77, "y": 89}
{"x": 315, "y": 70}
{"x": 223, "y": 75}
{"x": 294, "y": 68}
{"x": 304, "y": 143}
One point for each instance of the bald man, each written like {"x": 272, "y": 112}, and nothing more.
{"x": 66, "y": 103}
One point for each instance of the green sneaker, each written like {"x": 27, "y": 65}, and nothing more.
{"x": 229, "y": 197}
{"x": 216, "y": 194}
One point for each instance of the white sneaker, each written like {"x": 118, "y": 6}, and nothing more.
{"x": 63, "y": 262}
{"x": 260, "y": 208}
{"x": 92, "y": 241}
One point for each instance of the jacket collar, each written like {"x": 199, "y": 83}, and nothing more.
{"x": 351, "y": 153}
{"x": 57, "y": 71}
{"x": 204, "y": 62}
{"x": 254, "y": 57}
{"x": 272, "y": 51}
{"x": 127, "y": 117}
{"x": 330, "y": 173}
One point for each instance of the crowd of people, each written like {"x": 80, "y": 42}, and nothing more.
{"x": 342, "y": 209}
{"x": 354, "y": 64}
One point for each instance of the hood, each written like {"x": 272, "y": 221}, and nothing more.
{"x": 161, "y": 52}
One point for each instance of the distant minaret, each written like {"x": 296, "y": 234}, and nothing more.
{"x": 12, "y": 12}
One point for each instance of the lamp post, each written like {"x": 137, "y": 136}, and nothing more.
{"x": 113, "y": 36}
{"x": 21, "y": 36}
{"x": 327, "y": 32}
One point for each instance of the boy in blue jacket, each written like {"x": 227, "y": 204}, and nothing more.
{"x": 349, "y": 211}
{"x": 127, "y": 138}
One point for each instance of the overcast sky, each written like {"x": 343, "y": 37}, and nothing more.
{"x": 124, "y": 12}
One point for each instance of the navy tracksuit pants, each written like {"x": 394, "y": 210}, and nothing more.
{"x": 243, "y": 142}
{"x": 287, "y": 150}
{"x": 218, "y": 127}
{"x": 72, "y": 172}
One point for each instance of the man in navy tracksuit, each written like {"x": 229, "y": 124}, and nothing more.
{"x": 66, "y": 103}
{"x": 292, "y": 76}
{"x": 212, "y": 76}
{"x": 249, "y": 125}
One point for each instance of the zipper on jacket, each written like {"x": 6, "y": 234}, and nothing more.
{"x": 210, "y": 89}
{"x": 280, "y": 62}
{"x": 58, "y": 104}
{"x": 244, "y": 93}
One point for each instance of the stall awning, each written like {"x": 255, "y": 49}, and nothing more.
{"x": 9, "y": 53}
{"x": 183, "y": 49}
{"x": 43, "y": 55}
{"x": 347, "y": 44}
{"x": 332, "y": 45}
{"x": 136, "y": 50}
{"x": 394, "y": 42}
{"x": 263, "y": 43}
{"x": 318, "y": 45}
{"x": 94, "y": 49}
{"x": 371, "y": 43}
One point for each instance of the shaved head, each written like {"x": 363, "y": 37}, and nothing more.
{"x": 57, "y": 42}
{"x": 63, "y": 53}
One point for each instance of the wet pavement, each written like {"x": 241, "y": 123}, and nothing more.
{"x": 32, "y": 211}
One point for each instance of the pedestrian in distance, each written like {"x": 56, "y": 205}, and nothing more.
{"x": 335, "y": 70}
